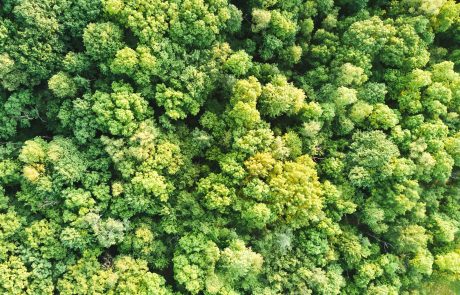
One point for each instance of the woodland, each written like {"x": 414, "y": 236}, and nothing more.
{"x": 229, "y": 147}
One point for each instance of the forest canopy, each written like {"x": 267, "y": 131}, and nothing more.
{"x": 229, "y": 147}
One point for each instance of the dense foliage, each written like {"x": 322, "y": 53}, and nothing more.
{"x": 229, "y": 147}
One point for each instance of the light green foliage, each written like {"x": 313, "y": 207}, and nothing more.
{"x": 360, "y": 111}
{"x": 371, "y": 152}
{"x": 215, "y": 192}
{"x": 412, "y": 238}
{"x": 125, "y": 62}
{"x": 382, "y": 117}
{"x": 108, "y": 232}
{"x": 260, "y": 19}
{"x": 62, "y": 85}
{"x": 125, "y": 276}
{"x": 351, "y": 75}
{"x": 345, "y": 96}
{"x": 239, "y": 265}
{"x": 238, "y": 63}
{"x": 194, "y": 260}
{"x": 120, "y": 112}
{"x": 449, "y": 263}
{"x": 201, "y": 265}
{"x": 280, "y": 97}
{"x": 13, "y": 276}
{"x": 59, "y": 157}
{"x": 296, "y": 192}
{"x": 102, "y": 40}
{"x": 229, "y": 147}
